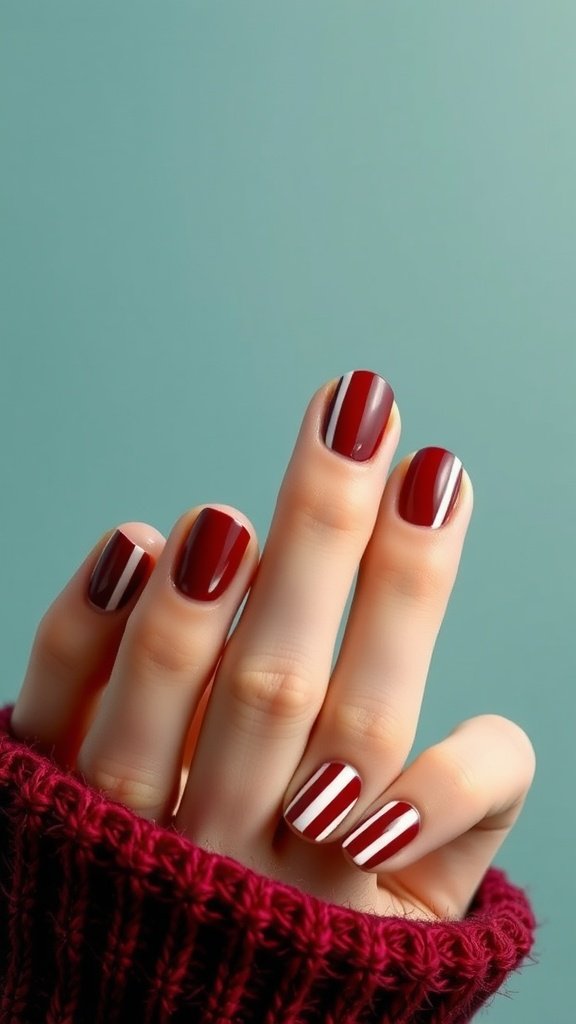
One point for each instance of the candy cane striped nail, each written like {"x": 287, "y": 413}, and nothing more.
{"x": 384, "y": 833}
{"x": 119, "y": 572}
{"x": 324, "y": 801}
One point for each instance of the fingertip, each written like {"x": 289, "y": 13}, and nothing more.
{"x": 144, "y": 535}
{"x": 466, "y": 489}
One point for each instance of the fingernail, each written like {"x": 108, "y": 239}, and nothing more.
{"x": 384, "y": 833}
{"x": 430, "y": 487}
{"x": 210, "y": 555}
{"x": 119, "y": 572}
{"x": 358, "y": 414}
{"x": 324, "y": 801}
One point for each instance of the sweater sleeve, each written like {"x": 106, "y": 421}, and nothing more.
{"x": 107, "y": 918}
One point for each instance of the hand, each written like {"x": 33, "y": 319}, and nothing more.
{"x": 130, "y": 681}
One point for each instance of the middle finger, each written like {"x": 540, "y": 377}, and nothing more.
{"x": 275, "y": 669}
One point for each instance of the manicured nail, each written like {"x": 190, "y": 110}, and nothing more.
{"x": 384, "y": 833}
{"x": 324, "y": 801}
{"x": 430, "y": 487}
{"x": 119, "y": 572}
{"x": 211, "y": 555}
{"x": 358, "y": 414}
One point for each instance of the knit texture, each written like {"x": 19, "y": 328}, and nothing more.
{"x": 106, "y": 918}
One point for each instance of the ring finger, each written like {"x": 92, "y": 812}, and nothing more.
{"x": 78, "y": 638}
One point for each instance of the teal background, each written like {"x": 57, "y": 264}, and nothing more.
{"x": 207, "y": 210}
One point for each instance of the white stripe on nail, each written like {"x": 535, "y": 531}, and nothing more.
{"x": 448, "y": 492}
{"x": 401, "y": 824}
{"x": 334, "y": 824}
{"x": 124, "y": 581}
{"x": 333, "y": 422}
{"x": 324, "y": 801}
{"x": 324, "y": 798}
{"x": 362, "y": 828}
{"x": 309, "y": 784}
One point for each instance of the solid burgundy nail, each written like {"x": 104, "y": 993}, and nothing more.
{"x": 383, "y": 834}
{"x": 358, "y": 413}
{"x": 119, "y": 572}
{"x": 430, "y": 487}
{"x": 211, "y": 555}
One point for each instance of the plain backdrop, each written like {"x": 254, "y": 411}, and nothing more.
{"x": 210, "y": 208}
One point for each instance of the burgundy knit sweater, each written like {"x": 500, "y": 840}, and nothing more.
{"x": 109, "y": 919}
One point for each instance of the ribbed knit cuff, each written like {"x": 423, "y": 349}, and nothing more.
{"x": 106, "y": 918}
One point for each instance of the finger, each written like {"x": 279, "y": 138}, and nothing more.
{"x": 276, "y": 666}
{"x": 78, "y": 637}
{"x": 438, "y": 827}
{"x": 135, "y": 745}
{"x": 371, "y": 709}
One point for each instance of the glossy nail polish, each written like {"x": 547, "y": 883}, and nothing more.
{"x": 384, "y": 833}
{"x": 119, "y": 573}
{"x": 210, "y": 555}
{"x": 324, "y": 801}
{"x": 357, "y": 415}
{"x": 430, "y": 487}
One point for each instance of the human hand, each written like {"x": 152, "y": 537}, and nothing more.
{"x": 129, "y": 681}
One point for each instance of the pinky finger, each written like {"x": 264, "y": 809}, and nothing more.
{"x": 78, "y": 637}
{"x": 437, "y": 829}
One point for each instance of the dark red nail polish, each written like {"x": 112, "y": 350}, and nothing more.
{"x": 383, "y": 834}
{"x": 430, "y": 487}
{"x": 119, "y": 572}
{"x": 324, "y": 801}
{"x": 211, "y": 555}
{"x": 358, "y": 414}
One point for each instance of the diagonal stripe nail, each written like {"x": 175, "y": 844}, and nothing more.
{"x": 384, "y": 833}
{"x": 324, "y": 801}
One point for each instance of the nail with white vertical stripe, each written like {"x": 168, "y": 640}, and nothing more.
{"x": 324, "y": 801}
{"x": 357, "y": 415}
{"x": 119, "y": 573}
{"x": 383, "y": 834}
{"x": 430, "y": 487}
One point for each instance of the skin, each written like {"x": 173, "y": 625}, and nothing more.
{"x": 151, "y": 704}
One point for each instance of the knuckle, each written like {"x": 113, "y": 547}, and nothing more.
{"x": 165, "y": 651}
{"x": 416, "y": 580}
{"x": 457, "y": 771}
{"x": 136, "y": 787}
{"x": 278, "y": 690}
{"x": 372, "y": 724}
{"x": 55, "y": 645}
{"x": 329, "y": 509}
{"x": 463, "y": 778}
{"x": 419, "y": 584}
